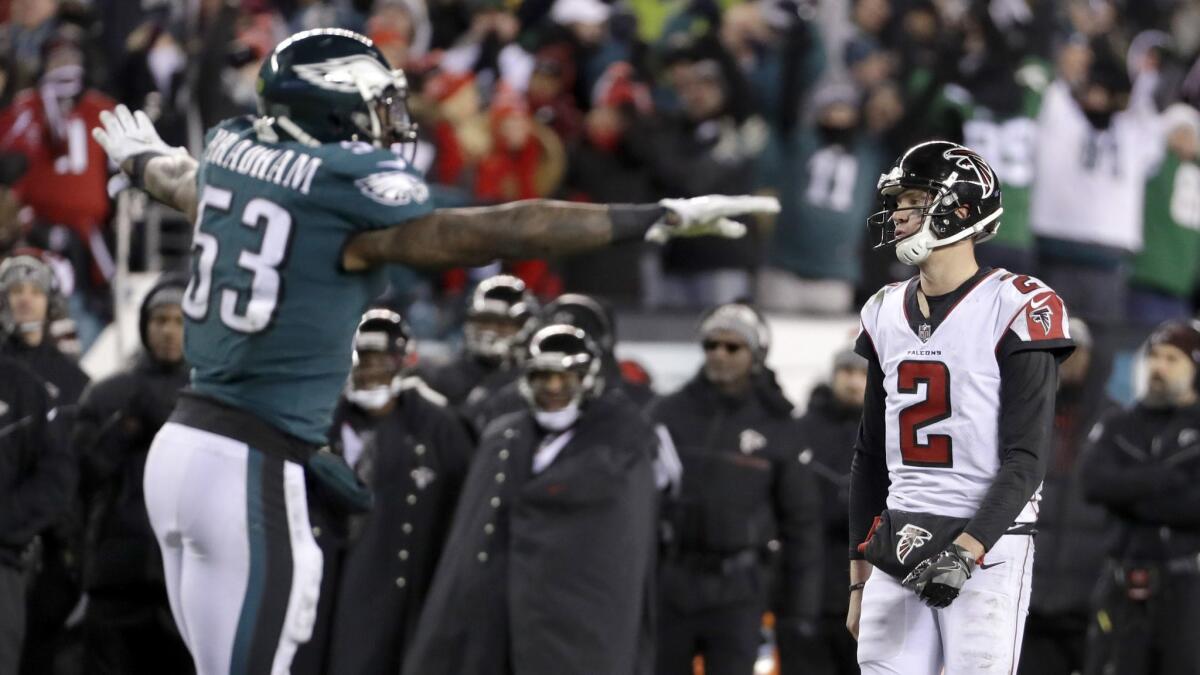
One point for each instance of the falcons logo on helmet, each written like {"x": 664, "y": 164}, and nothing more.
{"x": 912, "y": 537}
{"x": 968, "y": 160}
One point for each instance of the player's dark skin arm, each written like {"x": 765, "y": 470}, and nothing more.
{"x": 534, "y": 228}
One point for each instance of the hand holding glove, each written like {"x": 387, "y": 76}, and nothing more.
{"x": 938, "y": 580}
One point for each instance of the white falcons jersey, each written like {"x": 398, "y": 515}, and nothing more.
{"x": 943, "y": 386}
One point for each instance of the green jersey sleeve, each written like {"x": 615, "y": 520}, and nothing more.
{"x": 372, "y": 188}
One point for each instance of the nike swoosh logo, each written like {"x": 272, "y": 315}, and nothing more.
{"x": 987, "y": 566}
{"x": 1035, "y": 304}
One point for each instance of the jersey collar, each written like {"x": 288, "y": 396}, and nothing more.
{"x": 940, "y": 306}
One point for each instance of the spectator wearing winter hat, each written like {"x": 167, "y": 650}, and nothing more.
{"x": 743, "y": 486}
{"x": 127, "y": 625}
{"x": 825, "y": 176}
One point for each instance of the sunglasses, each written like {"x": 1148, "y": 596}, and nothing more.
{"x": 729, "y": 347}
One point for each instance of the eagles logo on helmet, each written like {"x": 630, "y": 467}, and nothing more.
{"x": 329, "y": 85}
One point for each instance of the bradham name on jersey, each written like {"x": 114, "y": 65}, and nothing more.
{"x": 286, "y": 168}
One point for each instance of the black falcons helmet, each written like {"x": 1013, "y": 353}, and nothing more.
{"x": 382, "y": 330}
{"x": 504, "y": 296}
{"x": 583, "y": 311}
{"x": 955, "y": 176}
{"x": 561, "y": 348}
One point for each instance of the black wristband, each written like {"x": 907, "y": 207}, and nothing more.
{"x": 631, "y": 221}
{"x": 137, "y": 172}
{"x": 858, "y": 587}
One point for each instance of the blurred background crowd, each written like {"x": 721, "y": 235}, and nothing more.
{"x": 1086, "y": 109}
{"x": 637, "y": 100}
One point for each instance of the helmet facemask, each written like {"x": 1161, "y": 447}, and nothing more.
{"x": 963, "y": 199}
{"x": 941, "y": 224}
{"x": 561, "y": 349}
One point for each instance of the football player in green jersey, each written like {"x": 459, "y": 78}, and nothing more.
{"x": 294, "y": 210}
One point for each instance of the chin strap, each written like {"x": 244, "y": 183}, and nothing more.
{"x": 296, "y": 132}
{"x": 915, "y": 248}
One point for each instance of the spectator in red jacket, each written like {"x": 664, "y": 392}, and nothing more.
{"x": 49, "y": 126}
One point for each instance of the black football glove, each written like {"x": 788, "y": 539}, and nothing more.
{"x": 938, "y": 580}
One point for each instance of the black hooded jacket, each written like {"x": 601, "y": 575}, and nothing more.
{"x": 743, "y": 482}
{"x": 117, "y": 419}
{"x": 63, "y": 378}
{"x": 828, "y": 429}
{"x": 37, "y": 472}
{"x": 1143, "y": 465}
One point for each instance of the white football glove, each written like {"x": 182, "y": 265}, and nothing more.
{"x": 708, "y": 215}
{"x": 125, "y": 135}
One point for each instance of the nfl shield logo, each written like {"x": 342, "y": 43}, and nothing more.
{"x": 924, "y": 331}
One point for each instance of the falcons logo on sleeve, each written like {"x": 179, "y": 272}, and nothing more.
{"x": 912, "y": 537}
{"x": 1044, "y": 317}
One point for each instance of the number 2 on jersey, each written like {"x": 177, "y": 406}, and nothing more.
{"x": 938, "y": 449}
{"x": 265, "y": 287}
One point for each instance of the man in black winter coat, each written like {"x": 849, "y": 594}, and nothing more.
{"x": 37, "y": 479}
{"x": 549, "y": 566}
{"x": 827, "y": 432}
{"x": 1144, "y": 467}
{"x": 744, "y": 487}
{"x": 412, "y": 451}
{"x": 1071, "y": 533}
{"x": 28, "y": 292}
{"x": 128, "y": 628}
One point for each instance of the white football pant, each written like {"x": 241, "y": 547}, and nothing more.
{"x": 979, "y": 633}
{"x": 242, "y": 568}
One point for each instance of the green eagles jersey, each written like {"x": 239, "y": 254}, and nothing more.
{"x": 270, "y": 313}
{"x": 1171, "y": 229}
{"x": 1007, "y": 143}
{"x": 826, "y": 192}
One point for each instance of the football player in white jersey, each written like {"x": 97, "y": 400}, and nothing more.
{"x": 955, "y": 430}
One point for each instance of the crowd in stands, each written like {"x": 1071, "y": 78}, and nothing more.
{"x": 1086, "y": 109}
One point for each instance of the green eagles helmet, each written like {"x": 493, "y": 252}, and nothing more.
{"x": 328, "y": 85}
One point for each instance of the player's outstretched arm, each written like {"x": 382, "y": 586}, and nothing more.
{"x": 168, "y": 174}
{"x": 539, "y": 228}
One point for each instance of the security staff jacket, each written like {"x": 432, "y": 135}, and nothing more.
{"x": 744, "y": 485}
